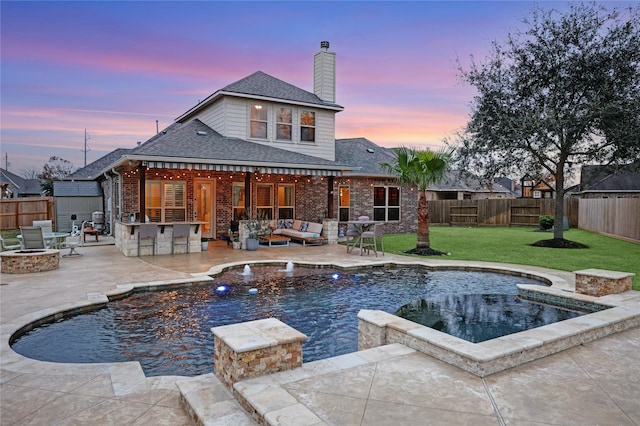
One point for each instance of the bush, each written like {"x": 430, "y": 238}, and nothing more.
{"x": 546, "y": 222}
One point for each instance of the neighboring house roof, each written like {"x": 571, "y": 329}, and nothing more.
{"x": 453, "y": 180}
{"x": 596, "y": 178}
{"x": 23, "y": 186}
{"x": 260, "y": 85}
{"x": 95, "y": 169}
{"x": 76, "y": 189}
{"x": 365, "y": 155}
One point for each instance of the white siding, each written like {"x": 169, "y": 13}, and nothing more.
{"x": 230, "y": 118}
{"x": 213, "y": 117}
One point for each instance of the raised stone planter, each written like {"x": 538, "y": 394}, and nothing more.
{"x": 255, "y": 348}
{"x": 27, "y": 261}
{"x": 600, "y": 282}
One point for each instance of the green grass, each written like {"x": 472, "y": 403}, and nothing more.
{"x": 513, "y": 245}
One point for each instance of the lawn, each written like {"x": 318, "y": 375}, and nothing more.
{"x": 513, "y": 245}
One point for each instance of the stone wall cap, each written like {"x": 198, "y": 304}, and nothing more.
{"x": 259, "y": 334}
{"x": 604, "y": 273}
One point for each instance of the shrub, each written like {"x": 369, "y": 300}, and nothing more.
{"x": 546, "y": 222}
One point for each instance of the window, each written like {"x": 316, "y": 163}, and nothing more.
{"x": 386, "y": 203}
{"x": 344, "y": 203}
{"x": 264, "y": 201}
{"x": 166, "y": 201}
{"x": 308, "y": 126}
{"x": 239, "y": 211}
{"x": 258, "y": 121}
{"x": 283, "y": 124}
{"x": 286, "y": 202}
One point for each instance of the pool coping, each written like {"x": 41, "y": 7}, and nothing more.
{"x": 129, "y": 377}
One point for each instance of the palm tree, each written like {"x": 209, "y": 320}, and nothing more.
{"x": 420, "y": 168}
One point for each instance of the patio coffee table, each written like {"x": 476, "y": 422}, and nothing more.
{"x": 274, "y": 239}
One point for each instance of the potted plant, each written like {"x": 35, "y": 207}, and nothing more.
{"x": 255, "y": 227}
{"x": 204, "y": 244}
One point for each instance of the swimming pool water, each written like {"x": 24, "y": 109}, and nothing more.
{"x": 169, "y": 332}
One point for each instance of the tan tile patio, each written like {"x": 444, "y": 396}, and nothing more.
{"x": 593, "y": 383}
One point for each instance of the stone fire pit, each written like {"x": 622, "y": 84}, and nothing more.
{"x": 27, "y": 261}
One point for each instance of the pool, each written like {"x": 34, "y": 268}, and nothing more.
{"x": 168, "y": 331}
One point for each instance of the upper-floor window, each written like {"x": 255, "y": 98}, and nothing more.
{"x": 259, "y": 121}
{"x": 283, "y": 124}
{"x": 166, "y": 201}
{"x": 308, "y": 126}
{"x": 386, "y": 203}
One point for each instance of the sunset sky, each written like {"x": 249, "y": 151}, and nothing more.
{"x": 115, "y": 68}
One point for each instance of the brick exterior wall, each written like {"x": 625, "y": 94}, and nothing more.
{"x": 361, "y": 191}
{"x": 311, "y": 194}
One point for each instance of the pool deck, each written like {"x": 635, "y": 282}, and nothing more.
{"x": 593, "y": 383}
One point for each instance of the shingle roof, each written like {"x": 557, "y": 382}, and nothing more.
{"x": 24, "y": 186}
{"x": 92, "y": 170}
{"x": 76, "y": 189}
{"x": 610, "y": 178}
{"x": 262, "y": 84}
{"x": 198, "y": 141}
{"x": 362, "y": 153}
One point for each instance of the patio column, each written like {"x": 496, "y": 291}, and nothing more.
{"x": 141, "y": 170}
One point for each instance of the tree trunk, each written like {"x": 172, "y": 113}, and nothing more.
{"x": 423, "y": 221}
{"x": 558, "y": 225}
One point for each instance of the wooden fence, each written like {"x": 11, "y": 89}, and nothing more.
{"x": 619, "y": 217}
{"x": 17, "y": 212}
{"x": 498, "y": 212}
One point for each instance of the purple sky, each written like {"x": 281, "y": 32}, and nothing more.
{"x": 115, "y": 68}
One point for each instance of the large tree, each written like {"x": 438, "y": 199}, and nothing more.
{"x": 420, "y": 168}
{"x": 563, "y": 92}
{"x": 56, "y": 169}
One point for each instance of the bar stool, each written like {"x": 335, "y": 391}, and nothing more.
{"x": 148, "y": 231}
{"x": 180, "y": 231}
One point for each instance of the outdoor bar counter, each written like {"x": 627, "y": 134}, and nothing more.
{"x": 126, "y": 234}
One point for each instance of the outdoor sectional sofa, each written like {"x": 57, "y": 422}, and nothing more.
{"x": 298, "y": 230}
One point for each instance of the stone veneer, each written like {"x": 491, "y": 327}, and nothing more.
{"x": 255, "y": 348}
{"x": 127, "y": 242}
{"x": 600, "y": 282}
{"x": 25, "y": 261}
{"x": 377, "y": 328}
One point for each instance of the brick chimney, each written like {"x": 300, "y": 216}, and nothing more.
{"x": 324, "y": 73}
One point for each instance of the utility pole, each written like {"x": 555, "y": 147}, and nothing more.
{"x": 86, "y": 148}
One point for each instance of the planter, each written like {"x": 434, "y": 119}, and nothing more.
{"x": 251, "y": 244}
{"x": 204, "y": 245}
{"x": 237, "y": 245}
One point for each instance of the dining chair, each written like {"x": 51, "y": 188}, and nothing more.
{"x": 72, "y": 242}
{"x": 370, "y": 239}
{"x": 32, "y": 238}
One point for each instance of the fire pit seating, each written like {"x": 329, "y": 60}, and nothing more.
{"x": 297, "y": 230}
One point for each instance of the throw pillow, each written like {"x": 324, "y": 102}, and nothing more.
{"x": 304, "y": 226}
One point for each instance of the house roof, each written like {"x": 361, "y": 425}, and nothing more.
{"x": 595, "y": 178}
{"x": 95, "y": 169}
{"x": 260, "y": 85}
{"x": 196, "y": 145}
{"x": 24, "y": 186}
{"x": 365, "y": 155}
{"x": 76, "y": 189}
